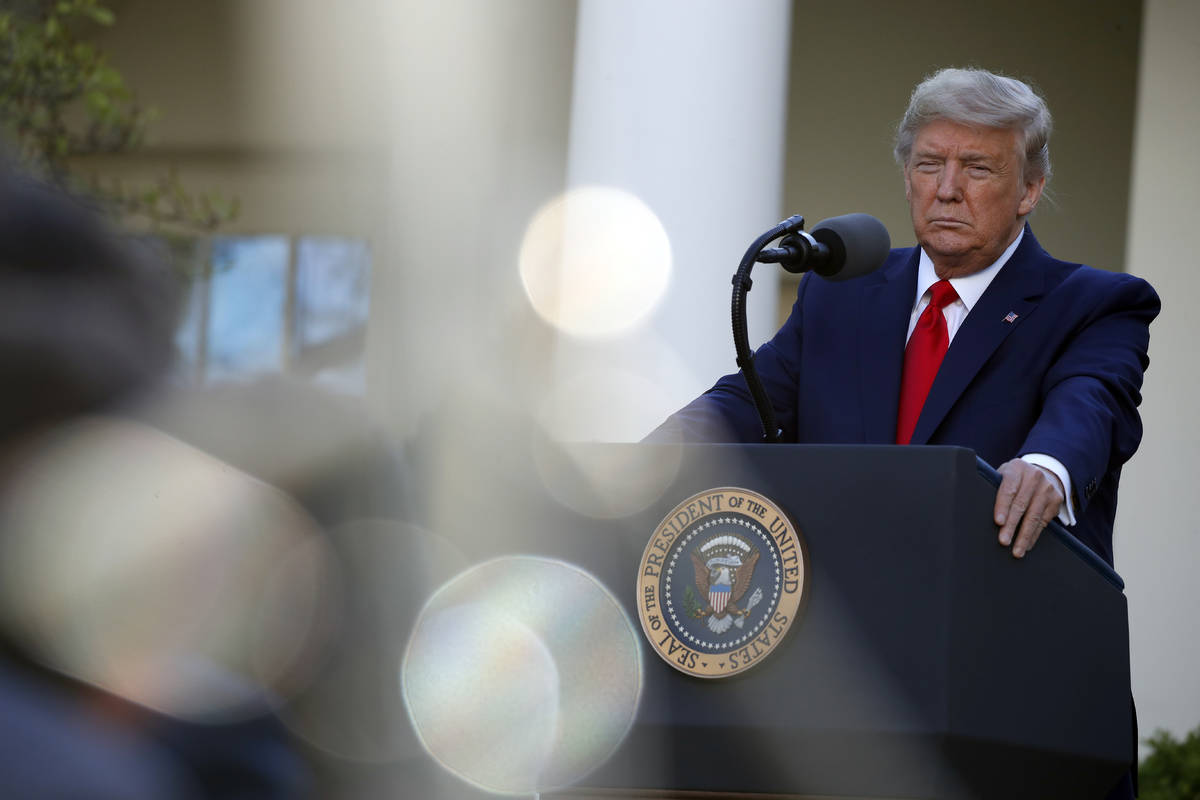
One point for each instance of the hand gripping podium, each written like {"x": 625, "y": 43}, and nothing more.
{"x": 926, "y": 661}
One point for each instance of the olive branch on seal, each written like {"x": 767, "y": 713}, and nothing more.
{"x": 690, "y": 604}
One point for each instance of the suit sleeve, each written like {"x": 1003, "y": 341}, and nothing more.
{"x": 1089, "y": 419}
{"x": 726, "y": 412}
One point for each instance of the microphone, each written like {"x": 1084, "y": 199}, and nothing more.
{"x": 838, "y": 249}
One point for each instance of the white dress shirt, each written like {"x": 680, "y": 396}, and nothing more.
{"x": 970, "y": 288}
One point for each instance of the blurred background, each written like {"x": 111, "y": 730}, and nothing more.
{"x": 441, "y": 241}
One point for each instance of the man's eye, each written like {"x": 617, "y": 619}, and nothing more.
{"x": 927, "y": 166}
{"x": 979, "y": 170}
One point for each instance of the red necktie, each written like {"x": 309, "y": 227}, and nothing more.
{"x": 926, "y": 348}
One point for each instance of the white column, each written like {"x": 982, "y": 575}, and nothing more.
{"x": 682, "y": 104}
{"x": 1158, "y": 528}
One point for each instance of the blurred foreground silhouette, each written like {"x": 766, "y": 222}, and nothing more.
{"x": 107, "y": 670}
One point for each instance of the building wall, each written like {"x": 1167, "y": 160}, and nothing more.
{"x": 269, "y": 102}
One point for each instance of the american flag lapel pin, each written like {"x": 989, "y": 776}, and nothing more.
{"x": 1011, "y": 318}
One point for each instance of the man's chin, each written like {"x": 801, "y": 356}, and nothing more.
{"x": 945, "y": 244}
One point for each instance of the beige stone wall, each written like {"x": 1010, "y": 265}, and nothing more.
{"x": 270, "y": 102}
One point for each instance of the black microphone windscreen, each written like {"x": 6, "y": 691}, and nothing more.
{"x": 858, "y": 244}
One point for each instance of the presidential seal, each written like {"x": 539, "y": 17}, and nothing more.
{"x": 722, "y": 579}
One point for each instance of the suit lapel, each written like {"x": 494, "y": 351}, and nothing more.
{"x": 886, "y": 307}
{"x": 1014, "y": 291}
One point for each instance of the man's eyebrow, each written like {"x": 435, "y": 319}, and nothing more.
{"x": 978, "y": 156}
{"x": 969, "y": 155}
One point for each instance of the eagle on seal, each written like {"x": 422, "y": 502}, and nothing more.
{"x": 723, "y": 579}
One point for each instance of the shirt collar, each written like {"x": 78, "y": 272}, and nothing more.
{"x": 970, "y": 287}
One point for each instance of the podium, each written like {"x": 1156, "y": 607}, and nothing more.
{"x": 927, "y": 661}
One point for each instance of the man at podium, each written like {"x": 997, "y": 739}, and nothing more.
{"x": 977, "y": 337}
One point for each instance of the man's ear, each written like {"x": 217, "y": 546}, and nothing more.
{"x": 907, "y": 185}
{"x": 1033, "y": 193}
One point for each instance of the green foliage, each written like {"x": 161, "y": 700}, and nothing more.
{"x": 61, "y": 100}
{"x": 1172, "y": 770}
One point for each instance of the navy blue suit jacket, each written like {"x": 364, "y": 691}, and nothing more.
{"x": 1050, "y": 360}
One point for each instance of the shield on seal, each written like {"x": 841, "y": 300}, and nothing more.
{"x": 718, "y": 596}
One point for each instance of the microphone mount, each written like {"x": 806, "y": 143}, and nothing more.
{"x": 794, "y": 252}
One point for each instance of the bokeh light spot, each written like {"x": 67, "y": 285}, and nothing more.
{"x": 522, "y": 675}
{"x": 595, "y": 261}
{"x": 144, "y": 566}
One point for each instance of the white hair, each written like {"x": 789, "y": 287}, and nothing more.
{"x": 980, "y": 98}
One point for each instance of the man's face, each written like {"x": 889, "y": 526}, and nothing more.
{"x": 967, "y": 194}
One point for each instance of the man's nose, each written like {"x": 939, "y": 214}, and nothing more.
{"x": 949, "y": 187}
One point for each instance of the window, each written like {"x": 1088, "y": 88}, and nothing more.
{"x": 278, "y": 304}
